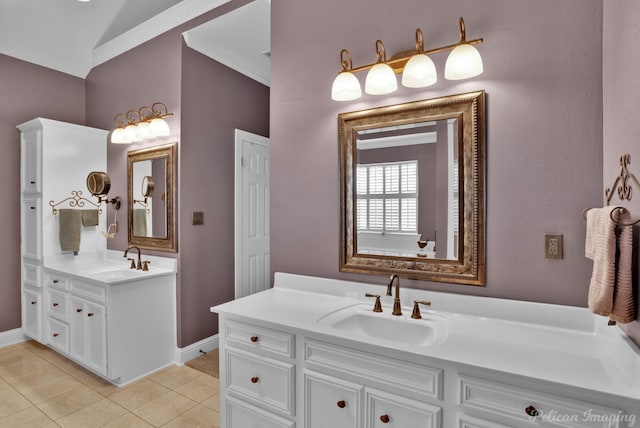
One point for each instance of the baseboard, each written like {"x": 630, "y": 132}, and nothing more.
{"x": 193, "y": 351}
{"x": 11, "y": 337}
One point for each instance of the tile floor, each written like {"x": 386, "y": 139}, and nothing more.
{"x": 40, "y": 388}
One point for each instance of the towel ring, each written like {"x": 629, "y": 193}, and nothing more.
{"x": 621, "y": 210}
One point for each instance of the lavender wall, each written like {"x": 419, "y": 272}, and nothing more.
{"x": 26, "y": 91}
{"x": 622, "y": 106}
{"x": 201, "y": 94}
{"x": 215, "y": 101}
{"x": 543, "y": 77}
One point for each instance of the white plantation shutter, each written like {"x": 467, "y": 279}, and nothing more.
{"x": 387, "y": 196}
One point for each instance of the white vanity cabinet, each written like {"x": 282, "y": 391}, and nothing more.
{"x": 56, "y": 158}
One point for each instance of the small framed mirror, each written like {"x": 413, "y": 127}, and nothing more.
{"x": 412, "y": 190}
{"x": 151, "y": 175}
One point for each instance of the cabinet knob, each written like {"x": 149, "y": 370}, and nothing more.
{"x": 56, "y": 334}
{"x": 34, "y": 302}
{"x": 254, "y": 339}
{"x": 341, "y": 404}
{"x": 90, "y": 314}
{"x": 384, "y": 419}
{"x": 79, "y": 310}
{"x": 55, "y": 281}
{"x": 32, "y": 182}
{"x": 32, "y": 208}
{"x": 532, "y": 411}
{"x": 255, "y": 379}
{"x": 55, "y": 305}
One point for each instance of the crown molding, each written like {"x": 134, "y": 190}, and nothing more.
{"x": 228, "y": 58}
{"x": 159, "y": 24}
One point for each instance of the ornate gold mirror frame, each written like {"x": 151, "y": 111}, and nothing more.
{"x": 467, "y": 266}
{"x": 162, "y": 240}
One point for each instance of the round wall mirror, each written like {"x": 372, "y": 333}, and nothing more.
{"x": 98, "y": 183}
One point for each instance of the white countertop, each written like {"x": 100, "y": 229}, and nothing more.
{"x": 555, "y": 343}
{"x": 109, "y": 267}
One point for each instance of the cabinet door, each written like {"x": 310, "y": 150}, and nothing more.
{"x": 391, "y": 411}
{"x": 96, "y": 336}
{"x": 331, "y": 402}
{"x": 32, "y": 315}
{"x": 89, "y": 334}
{"x": 31, "y": 161}
{"x": 32, "y": 228}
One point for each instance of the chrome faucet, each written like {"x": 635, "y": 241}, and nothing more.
{"x": 396, "y": 301}
{"x": 133, "y": 264}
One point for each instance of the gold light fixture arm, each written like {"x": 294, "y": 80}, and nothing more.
{"x": 398, "y": 60}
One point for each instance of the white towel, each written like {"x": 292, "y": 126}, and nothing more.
{"x": 610, "y": 292}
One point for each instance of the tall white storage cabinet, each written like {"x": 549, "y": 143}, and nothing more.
{"x": 56, "y": 158}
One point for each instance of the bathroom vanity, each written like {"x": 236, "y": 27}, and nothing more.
{"x": 91, "y": 307}
{"x": 311, "y": 353}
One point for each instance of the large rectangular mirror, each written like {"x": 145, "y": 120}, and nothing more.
{"x": 412, "y": 189}
{"x": 151, "y": 197}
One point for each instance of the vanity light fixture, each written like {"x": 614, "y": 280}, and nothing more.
{"x": 141, "y": 124}
{"x": 418, "y": 70}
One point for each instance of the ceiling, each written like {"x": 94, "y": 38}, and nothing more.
{"x": 72, "y": 36}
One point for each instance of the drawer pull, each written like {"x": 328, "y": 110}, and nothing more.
{"x": 254, "y": 339}
{"x": 255, "y": 379}
{"x": 55, "y": 281}
{"x": 90, "y": 314}
{"x": 79, "y": 310}
{"x": 384, "y": 419}
{"x": 32, "y": 182}
{"x": 32, "y": 208}
{"x": 55, "y": 305}
{"x": 56, "y": 334}
{"x": 341, "y": 404}
{"x": 532, "y": 411}
{"x": 34, "y": 302}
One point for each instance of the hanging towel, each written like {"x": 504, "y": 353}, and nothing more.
{"x": 610, "y": 292}
{"x": 69, "y": 235}
{"x": 90, "y": 218}
{"x": 139, "y": 222}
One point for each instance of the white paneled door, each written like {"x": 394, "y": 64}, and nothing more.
{"x": 252, "y": 270}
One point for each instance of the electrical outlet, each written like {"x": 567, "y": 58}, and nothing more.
{"x": 553, "y": 247}
{"x": 198, "y": 218}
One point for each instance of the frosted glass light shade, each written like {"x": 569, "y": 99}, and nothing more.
{"x": 346, "y": 87}
{"x": 159, "y": 127}
{"x": 462, "y": 63}
{"x": 419, "y": 72}
{"x": 118, "y": 136}
{"x": 131, "y": 134}
{"x": 380, "y": 80}
{"x": 144, "y": 130}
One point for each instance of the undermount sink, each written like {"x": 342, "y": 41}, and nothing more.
{"x": 360, "y": 320}
{"x": 114, "y": 272}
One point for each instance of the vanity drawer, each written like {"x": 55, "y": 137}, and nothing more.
{"x": 55, "y": 280}
{"x": 264, "y": 381}
{"x": 58, "y": 335}
{"x": 58, "y": 305}
{"x": 96, "y": 293}
{"x": 496, "y": 400}
{"x": 264, "y": 341}
{"x": 405, "y": 377}
{"x": 243, "y": 415}
{"x": 331, "y": 402}
{"x": 387, "y": 410}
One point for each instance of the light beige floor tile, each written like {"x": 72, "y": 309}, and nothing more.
{"x": 200, "y": 388}
{"x": 93, "y": 381}
{"x": 69, "y": 402}
{"x": 137, "y": 394}
{"x": 165, "y": 408}
{"x": 48, "y": 387}
{"x": 213, "y": 402}
{"x": 20, "y": 364}
{"x": 95, "y": 415}
{"x": 32, "y": 376}
{"x": 128, "y": 421}
{"x": 28, "y": 418}
{"x": 11, "y": 401}
{"x": 199, "y": 416}
{"x": 174, "y": 376}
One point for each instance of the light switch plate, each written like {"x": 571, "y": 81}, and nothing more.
{"x": 553, "y": 246}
